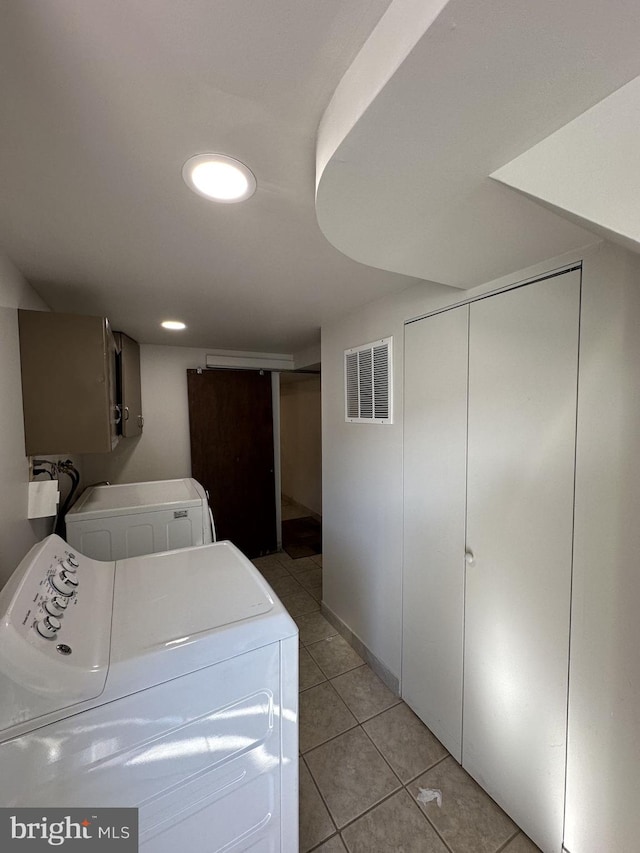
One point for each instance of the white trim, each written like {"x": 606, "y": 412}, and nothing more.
{"x": 249, "y": 360}
{"x": 486, "y": 294}
{"x": 275, "y": 405}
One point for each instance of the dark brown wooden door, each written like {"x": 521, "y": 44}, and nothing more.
{"x": 231, "y": 428}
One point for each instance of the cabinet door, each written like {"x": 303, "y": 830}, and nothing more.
{"x": 435, "y": 426}
{"x": 130, "y": 389}
{"x": 68, "y": 383}
{"x": 523, "y": 356}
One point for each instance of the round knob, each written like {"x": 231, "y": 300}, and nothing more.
{"x": 66, "y": 566}
{"x": 73, "y": 561}
{"x": 469, "y": 558}
{"x": 64, "y": 583}
{"x": 48, "y": 627}
{"x": 56, "y": 606}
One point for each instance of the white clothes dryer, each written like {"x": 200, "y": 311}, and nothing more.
{"x": 130, "y": 519}
{"x": 167, "y": 682}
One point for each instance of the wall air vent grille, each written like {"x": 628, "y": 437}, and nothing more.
{"x": 368, "y": 385}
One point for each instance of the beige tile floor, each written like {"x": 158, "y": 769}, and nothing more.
{"x": 365, "y": 757}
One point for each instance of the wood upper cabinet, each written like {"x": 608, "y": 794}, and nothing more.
{"x": 68, "y": 364}
{"x": 128, "y": 383}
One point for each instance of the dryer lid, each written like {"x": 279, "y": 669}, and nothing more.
{"x": 190, "y": 601}
{"x": 128, "y": 498}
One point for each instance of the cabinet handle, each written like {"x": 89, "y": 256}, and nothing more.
{"x": 126, "y": 413}
{"x": 469, "y": 558}
{"x": 118, "y": 412}
{"x": 140, "y": 421}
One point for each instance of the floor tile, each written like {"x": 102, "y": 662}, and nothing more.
{"x": 283, "y": 557}
{"x": 333, "y": 845}
{"x": 521, "y": 844}
{"x": 351, "y": 774}
{"x": 397, "y": 824}
{"x": 317, "y": 558}
{"x": 316, "y": 592}
{"x": 285, "y": 586}
{"x": 404, "y": 740}
{"x": 299, "y": 603}
{"x": 314, "y": 627}
{"x": 309, "y": 674}
{"x": 269, "y": 562}
{"x": 315, "y": 823}
{"x": 334, "y": 656}
{"x": 323, "y": 715}
{"x": 302, "y": 564}
{"x": 310, "y": 578}
{"x": 270, "y": 573}
{"x": 364, "y": 693}
{"x": 468, "y": 820}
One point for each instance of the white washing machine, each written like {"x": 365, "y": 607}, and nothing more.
{"x": 130, "y": 519}
{"x": 167, "y": 682}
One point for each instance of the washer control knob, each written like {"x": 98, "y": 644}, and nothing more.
{"x": 48, "y": 627}
{"x": 73, "y": 561}
{"x": 64, "y": 583}
{"x": 67, "y": 566}
{"x": 56, "y": 606}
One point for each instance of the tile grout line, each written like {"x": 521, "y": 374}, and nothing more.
{"x": 428, "y": 769}
{"x": 367, "y": 811}
{"x": 404, "y": 786}
{"x": 332, "y": 738}
{"x": 326, "y": 840}
{"x": 324, "y": 802}
{"x": 423, "y": 812}
{"x": 509, "y": 840}
{"x": 317, "y": 684}
{"x": 319, "y": 665}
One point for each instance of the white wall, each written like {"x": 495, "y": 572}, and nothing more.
{"x": 603, "y": 772}
{"x": 301, "y": 439}
{"x": 362, "y": 469}
{"x": 17, "y": 533}
{"x": 362, "y": 482}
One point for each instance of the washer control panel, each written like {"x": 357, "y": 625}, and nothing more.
{"x": 53, "y": 603}
{"x": 55, "y": 629}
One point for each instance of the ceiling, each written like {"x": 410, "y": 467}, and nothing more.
{"x": 103, "y": 102}
{"x": 446, "y": 141}
{"x": 452, "y": 105}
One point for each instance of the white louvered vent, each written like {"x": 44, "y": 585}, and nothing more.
{"x": 368, "y": 386}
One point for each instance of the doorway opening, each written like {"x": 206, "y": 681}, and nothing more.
{"x": 301, "y": 463}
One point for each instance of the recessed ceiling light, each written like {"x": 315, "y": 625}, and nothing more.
{"x": 218, "y": 177}
{"x": 176, "y": 325}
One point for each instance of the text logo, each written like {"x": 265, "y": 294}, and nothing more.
{"x": 90, "y": 829}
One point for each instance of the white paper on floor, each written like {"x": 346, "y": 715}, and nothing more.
{"x": 427, "y": 795}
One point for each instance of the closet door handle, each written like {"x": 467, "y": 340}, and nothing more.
{"x": 469, "y": 558}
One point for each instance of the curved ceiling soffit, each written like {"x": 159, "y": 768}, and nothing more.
{"x": 395, "y": 35}
{"x": 430, "y": 109}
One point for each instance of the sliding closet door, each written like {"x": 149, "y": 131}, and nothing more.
{"x": 435, "y": 424}
{"x": 523, "y": 355}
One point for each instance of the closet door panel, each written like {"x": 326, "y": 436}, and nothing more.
{"x": 523, "y": 355}
{"x": 434, "y": 517}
